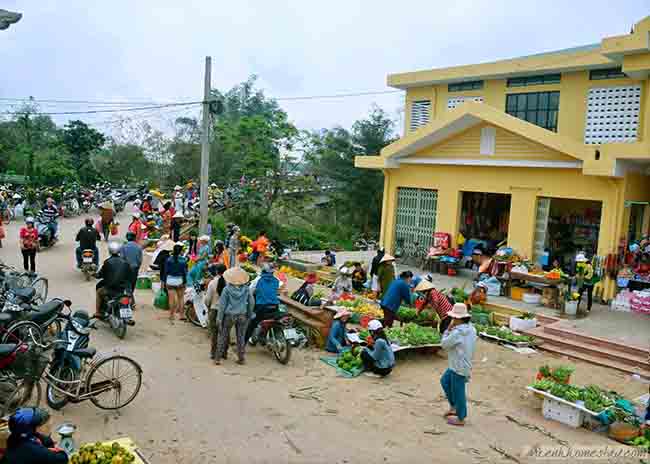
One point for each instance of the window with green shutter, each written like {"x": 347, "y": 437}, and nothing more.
{"x": 609, "y": 73}
{"x": 539, "y": 108}
{"x": 543, "y": 79}
{"x": 463, "y": 86}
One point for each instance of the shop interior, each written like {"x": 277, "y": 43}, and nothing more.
{"x": 484, "y": 219}
{"x": 573, "y": 226}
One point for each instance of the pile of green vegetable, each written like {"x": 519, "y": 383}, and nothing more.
{"x": 350, "y": 360}
{"x": 407, "y": 314}
{"x": 503, "y": 333}
{"x": 413, "y": 335}
{"x": 560, "y": 374}
{"x": 459, "y": 295}
{"x": 594, "y": 398}
{"x": 642, "y": 441}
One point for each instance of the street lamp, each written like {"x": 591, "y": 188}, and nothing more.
{"x": 7, "y": 18}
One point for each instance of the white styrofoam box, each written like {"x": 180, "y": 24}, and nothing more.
{"x": 532, "y": 298}
{"x": 612, "y": 114}
{"x": 640, "y": 404}
{"x": 517, "y": 324}
{"x": 562, "y": 413}
{"x": 571, "y": 308}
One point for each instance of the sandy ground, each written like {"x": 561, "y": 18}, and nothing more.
{"x": 190, "y": 411}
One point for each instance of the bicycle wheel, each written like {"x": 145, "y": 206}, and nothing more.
{"x": 55, "y": 399}
{"x": 23, "y": 332}
{"x": 190, "y": 314}
{"x": 124, "y": 377}
{"x": 26, "y": 394}
{"x": 40, "y": 285}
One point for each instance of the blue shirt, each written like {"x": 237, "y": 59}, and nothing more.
{"x": 132, "y": 254}
{"x": 336, "y": 338}
{"x": 398, "y": 291}
{"x": 382, "y": 353}
{"x": 266, "y": 290}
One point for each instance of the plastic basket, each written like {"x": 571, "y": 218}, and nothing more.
{"x": 143, "y": 283}
{"x": 562, "y": 413}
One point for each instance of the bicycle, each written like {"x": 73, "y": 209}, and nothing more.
{"x": 100, "y": 378}
{"x": 13, "y": 278}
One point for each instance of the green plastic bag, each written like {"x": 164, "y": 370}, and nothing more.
{"x": 161, "y": 301}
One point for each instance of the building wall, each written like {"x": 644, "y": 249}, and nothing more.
{"x": 573, "y": 89}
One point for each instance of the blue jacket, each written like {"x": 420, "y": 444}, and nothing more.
{"x": 30, "y": 451}
{"x": 175, "y": 268}
{"x": 398, "y": 291}
{"x": 336, "y": 339}
{"x": 382, "y": 353}
{"x": 266, "y": 290}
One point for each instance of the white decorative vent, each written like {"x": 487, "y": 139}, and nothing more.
{"x": 612, "y": 114}
{"x": 420, "y": 113}
{"x": 455, "y": 101}
{"x": 488, "y": 140}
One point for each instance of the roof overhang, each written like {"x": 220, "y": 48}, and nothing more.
{"x": 460, "y": 119}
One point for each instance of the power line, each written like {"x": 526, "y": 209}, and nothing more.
{"x": 118, "y": 110}
{"x": 162, "y": 104}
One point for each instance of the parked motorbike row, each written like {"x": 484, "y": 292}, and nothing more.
{"x": 30, "y": 326}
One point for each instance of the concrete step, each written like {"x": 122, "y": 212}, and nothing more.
{"x": 601, "y": 350}
{"x": 596, "y": 360}
{"x": 568, "y": 334}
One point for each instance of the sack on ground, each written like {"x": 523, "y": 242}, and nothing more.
{"x": 161, "y": 301}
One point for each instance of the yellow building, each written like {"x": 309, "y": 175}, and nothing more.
{"x": 550, "y": 152}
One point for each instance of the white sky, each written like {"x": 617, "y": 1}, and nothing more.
{"x": 154, "y": 49}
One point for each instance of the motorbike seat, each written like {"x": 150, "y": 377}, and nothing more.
{"x": 7, "y": 348}
{"x": 24, "y": 294}
{"x": 46, "y": 311}
{"x": 84, "y": 352}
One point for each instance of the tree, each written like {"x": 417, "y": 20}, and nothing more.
{"x": 81, "y": 142}
{"x": 52, "y": 166}
{"x": 330, "y": 153}
{"x": 122, "y": 164}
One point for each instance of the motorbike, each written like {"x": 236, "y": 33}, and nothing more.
{"x": 118, "y": 313}
{"x": 45, "y": 237}
{"x": 275, "y": 334}
{"x": 88, "y": 266}
{"x": 46, "y": 316}
{"x": 67, "y": 356}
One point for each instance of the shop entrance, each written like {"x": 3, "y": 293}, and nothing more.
{"x": 484, "y": 219}
{"x": 564, "y": 228}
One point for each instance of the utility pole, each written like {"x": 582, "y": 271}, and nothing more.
{"x": 205, "y": 146}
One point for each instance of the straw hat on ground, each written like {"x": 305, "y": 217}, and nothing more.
{"x": 236, "y": 276}
{"x": 459, "y": 311}
{"x": 387, "y": 258}
{"x": 423, "y": 286}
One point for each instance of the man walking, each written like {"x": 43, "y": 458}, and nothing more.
{"x": 132, "y": 254}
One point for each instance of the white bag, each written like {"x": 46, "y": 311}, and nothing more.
{"x": 375, "y": 284}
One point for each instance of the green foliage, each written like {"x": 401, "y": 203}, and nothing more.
{"x": 53, "y": 167}
{"x": 81, "y": 141}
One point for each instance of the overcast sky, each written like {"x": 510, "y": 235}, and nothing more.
{"x": 154, "y": 49}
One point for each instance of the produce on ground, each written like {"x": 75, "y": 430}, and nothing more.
{"x": 102, "y": 454}
{"x": 361, "y": 307}
{"x": 642, "y": 441}
{"x": 459, "y": 295}
{"x": 427, "y": 315}
{"x": 560, "y": 374}
{"x": 413, "y": 335}
{"x": 350, "y": 360}
{"x": 506, "y": 334}
{"x": 594, "y": 398}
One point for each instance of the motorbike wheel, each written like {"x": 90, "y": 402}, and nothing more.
{"x": 119, "y": 327}
{"x": 40, "y": 285}
{"x": 27, "y": 393}
{"x": 55, "y": 399}
{"x": 279, "y": 345}
{"x": 191, "y": 316}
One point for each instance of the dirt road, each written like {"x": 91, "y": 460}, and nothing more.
{"x": 190, "y": 411}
